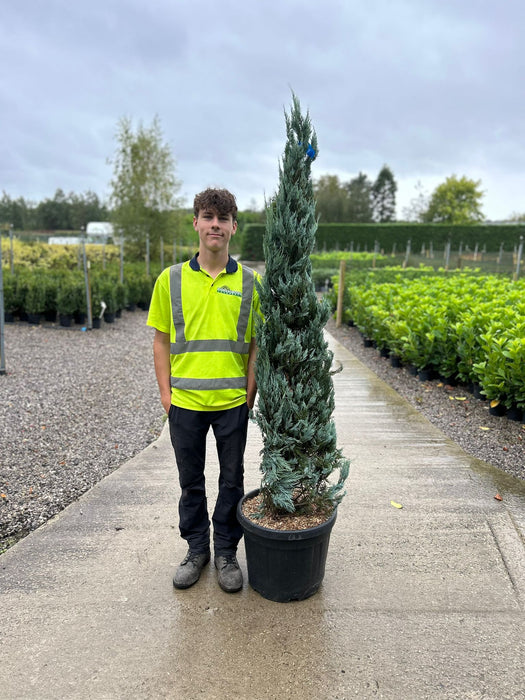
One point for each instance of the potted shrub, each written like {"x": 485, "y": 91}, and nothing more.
{"x": 50, "y": 296}
{"x": 145, "y": 285}
{"x": 107, "y": 289}
{"x": 22, "y": 284}
{"x": 96, "y": 304}
{"x": 9, "y": 297}
{"x": 120, "y": 297}
{"x": 35, "y": 298}
{"x": 296, "y": 396}
{"x": 132, "y": 292}
{"x": 78, "y": 290}
{"x": 66, "y": 300}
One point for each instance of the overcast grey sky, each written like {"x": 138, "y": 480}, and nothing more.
{"x": 430, "y": 87}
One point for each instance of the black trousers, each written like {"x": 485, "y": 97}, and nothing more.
{"x": 188, "y": 430}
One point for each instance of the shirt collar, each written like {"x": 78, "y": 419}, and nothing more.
{"x": 231, "y": 265}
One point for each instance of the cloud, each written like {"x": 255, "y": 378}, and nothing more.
{"x": 430, "y": 88}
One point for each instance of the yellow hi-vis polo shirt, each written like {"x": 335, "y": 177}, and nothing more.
{"x": 211, "y": 323}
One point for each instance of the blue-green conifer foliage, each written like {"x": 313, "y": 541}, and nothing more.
{"x": 293, "y": 368}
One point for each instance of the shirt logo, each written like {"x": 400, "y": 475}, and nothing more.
{"x": 230, "y": 292}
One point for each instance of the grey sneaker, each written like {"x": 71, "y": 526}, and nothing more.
{"x": 190, "y": 569}
{"x": 230, "y": 575}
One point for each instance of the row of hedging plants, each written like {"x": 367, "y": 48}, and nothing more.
{"x": 43, "y": 293}
{"x": 465, "y": 327}
{"x": 35, "y": 254}
{"x": 365, "y": 276}
{"x": 361, "y": 237}
{"x": 39, "y": 255}
{"x": 42, "y": 281}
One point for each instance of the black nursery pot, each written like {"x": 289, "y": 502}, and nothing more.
{"x": 426, "y": 375}
{"x": 514, "y": 413}
{"x": 498, "y": 410}
{"x": 65, "y": 320}
{"x": 285, "y": 565}
{"x": 395, "y": 361}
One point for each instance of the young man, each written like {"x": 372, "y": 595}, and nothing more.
{"x": 203, "y": 312}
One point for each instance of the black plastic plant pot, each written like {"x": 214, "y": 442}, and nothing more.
{"x": 395, "y": 361}
{"x": 497, "y": 410}
{"x": 65, "y": 320}
{"x": 514, "y": 413}
{"x": 427, "y": 374}
{"x": 285, "y": 565}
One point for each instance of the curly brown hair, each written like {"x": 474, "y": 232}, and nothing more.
{"x": 215, "y": 200}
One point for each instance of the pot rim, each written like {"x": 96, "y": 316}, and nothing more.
{"x": 302, "y": 534}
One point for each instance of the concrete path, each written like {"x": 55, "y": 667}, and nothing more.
{"x": 426, "y": 601}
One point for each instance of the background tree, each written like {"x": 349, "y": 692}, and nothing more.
{"x": 418, "y": 205}
{"x": 384, "y": 196}
{"x": 144, "y": 186}
{"x": 332, "y": 199}
{"x": 359, "y": 203}
{"x": 61, "y": 212}
{"x": 16, "y": 212}
{"x": 455, "y": 201}
{"x": 85, "y": 208}
{"x": 54, "y": 214}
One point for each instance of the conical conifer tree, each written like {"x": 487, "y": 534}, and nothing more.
{"x": 293, "y": 368}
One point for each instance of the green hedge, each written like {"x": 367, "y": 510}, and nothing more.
{"x": 467, "y": 327}
{"x": 364, "y": 237}
{"x": 53, "y": 291}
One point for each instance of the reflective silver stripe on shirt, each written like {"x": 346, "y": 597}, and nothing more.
{"x": 237, "y": 346}
{"x": 176, "y": 301}
{"x": 209, "y": 384}
{"x": 246, "y": 304}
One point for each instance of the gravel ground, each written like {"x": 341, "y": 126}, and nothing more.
{"x": 73, "y": 407}
{"x": 454, "y": 410}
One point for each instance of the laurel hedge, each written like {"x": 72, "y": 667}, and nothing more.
{"x": 466, "y": 327}
{"x": 365, "y": 236}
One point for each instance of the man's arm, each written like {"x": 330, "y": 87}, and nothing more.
{"x": 251, "y": 386}
{"x": 161, "y": 358}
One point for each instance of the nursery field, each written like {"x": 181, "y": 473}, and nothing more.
{"x": 504, "y": 264}
{"x": 461, "y": 324}
{"x": 43, "y": 281}
{"x": 464, "y": 327}
{"x": 492, "y": 263}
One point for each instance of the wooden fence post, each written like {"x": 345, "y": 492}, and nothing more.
{"x": 447, "y": 255}
{"x": 518, "y": 261}
{"x": 340, "y": 293}
{"x": 407, "y": 254}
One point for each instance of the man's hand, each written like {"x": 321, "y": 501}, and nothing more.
{"x": 166, "y": 402}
